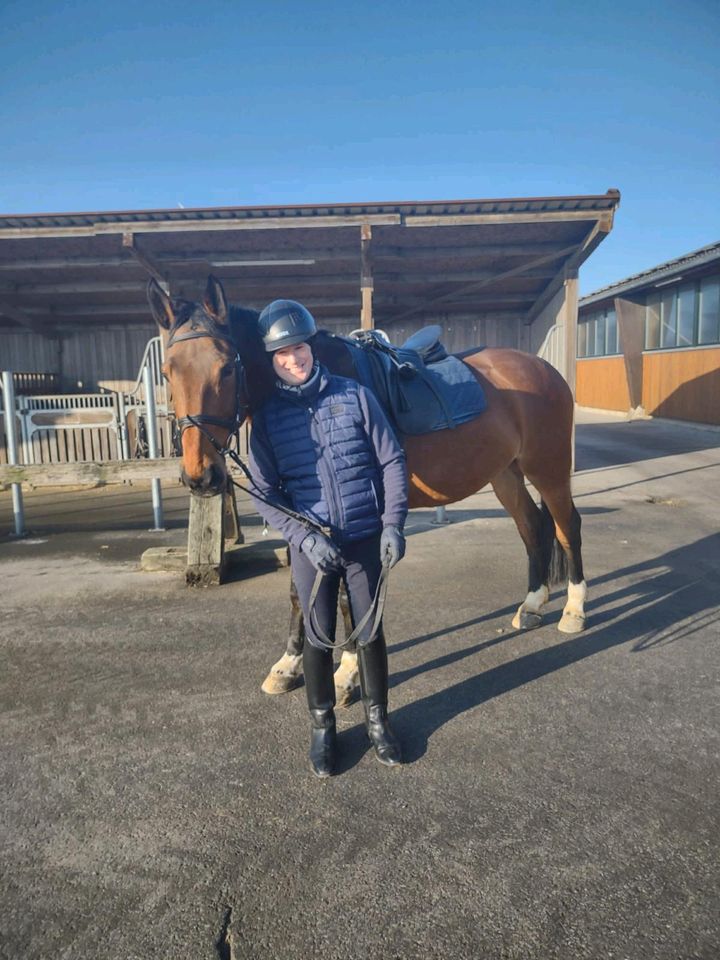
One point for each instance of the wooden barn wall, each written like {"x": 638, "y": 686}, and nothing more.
{"x": 601, "y": 382}
{"x": 683, "y": 384}
{"x": 109, "y": 358}
{"x": 458, "y": 332}
{"x": 88, "y": 360}
{"x": 26, "y": 352}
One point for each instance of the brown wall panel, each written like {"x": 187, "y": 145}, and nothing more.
{"x": 683, "y": 384}
{"x": 602, "y": 383}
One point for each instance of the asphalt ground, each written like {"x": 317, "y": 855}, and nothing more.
{"x": 560, "y": 795}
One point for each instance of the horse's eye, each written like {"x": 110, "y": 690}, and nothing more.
{"x": 228, "y": 370}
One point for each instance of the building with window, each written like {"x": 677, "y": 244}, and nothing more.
{"x": 652, "y": 342}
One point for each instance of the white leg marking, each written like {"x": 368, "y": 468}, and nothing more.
{"x": 573, "y": 618}
{"x": 346, "y": 678}
{"x": 528, "y": 614}
{"x": 283, "y": 675}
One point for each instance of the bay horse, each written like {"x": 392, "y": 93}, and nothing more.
{"x": 218, "y": 372}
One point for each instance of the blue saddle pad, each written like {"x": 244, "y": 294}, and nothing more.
{"x": 419, "y": 398}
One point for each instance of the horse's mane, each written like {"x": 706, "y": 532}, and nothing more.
{"x": 327, "y": 348}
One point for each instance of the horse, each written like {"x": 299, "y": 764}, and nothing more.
{"x": 219, "y": 373}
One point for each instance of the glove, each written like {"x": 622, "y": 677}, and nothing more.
{"x": 392, "y": 546}
{"x": 321, "y": 552}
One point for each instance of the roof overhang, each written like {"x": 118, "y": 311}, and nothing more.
{"x": 503, "y": 257}
{"x": 672, "y": 271}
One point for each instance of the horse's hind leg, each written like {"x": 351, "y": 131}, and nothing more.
{"x": 346, "y": 675}
{"x": 537, "y": 532}
{"x": 285, "y": 674}
{"x": 558, "y": 498}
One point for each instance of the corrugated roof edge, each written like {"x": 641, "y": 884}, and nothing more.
{"x": 694, "y": 259}
{"x": 599, "y": 201}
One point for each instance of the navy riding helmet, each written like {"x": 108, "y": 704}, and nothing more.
{"x": 284, "y": 323}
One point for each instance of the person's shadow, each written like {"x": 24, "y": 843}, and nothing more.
{"x": 670, "y": 598}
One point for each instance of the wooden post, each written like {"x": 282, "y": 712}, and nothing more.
{"x": 570, "y": 317}
{"x": 231, "y": 522}
{"x": 631, "y": 324}
{"x": 366, "y": 280}
{"x": 206, "y": 543}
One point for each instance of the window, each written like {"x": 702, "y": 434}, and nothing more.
{"x": 709, "y": 325}
{"x": 668, "y": 319}
{"x": 684, "y": 316}
{"x": 598, "y": 335}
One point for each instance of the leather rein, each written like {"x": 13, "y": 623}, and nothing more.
{"x": 232, "y": 425}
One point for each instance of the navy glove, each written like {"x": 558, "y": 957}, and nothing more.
{"x": 321, "y": 552}
{"x": 392, "y": 546}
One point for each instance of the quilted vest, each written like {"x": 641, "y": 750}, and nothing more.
{"x": 325, "y": 457}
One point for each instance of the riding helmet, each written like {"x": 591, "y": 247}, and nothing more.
{"x": 283, "y": 323}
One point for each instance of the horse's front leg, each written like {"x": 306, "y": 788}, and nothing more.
{"x": 346, "y": 675}
{"x": 285, "y": 674}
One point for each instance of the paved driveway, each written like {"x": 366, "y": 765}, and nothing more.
{"x": 560, "y": 798}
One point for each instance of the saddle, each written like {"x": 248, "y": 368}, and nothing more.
{"x": 419, "y": 385}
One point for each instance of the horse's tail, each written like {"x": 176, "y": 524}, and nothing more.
{"x": 554, "y": 555}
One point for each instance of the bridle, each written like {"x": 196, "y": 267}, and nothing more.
{"x": 231, "y": 424}
{"x": 374, "y": 613}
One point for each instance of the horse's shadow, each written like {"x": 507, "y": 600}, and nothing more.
{"x": 670, "y": 598}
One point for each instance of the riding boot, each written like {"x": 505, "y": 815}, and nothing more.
{"x": 320, "y": 688}
{"x": 373, "y": 668}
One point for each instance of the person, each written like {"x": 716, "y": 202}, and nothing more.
{"x": 322, "y": 447}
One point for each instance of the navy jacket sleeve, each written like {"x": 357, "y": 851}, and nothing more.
{"x": 266, "y": 481}
{"x": 391, "y": 460}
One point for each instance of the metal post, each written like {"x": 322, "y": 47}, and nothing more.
{"x": 151, "y": 427}
{"x": 11, "y": 433}
{"x": 440, "y": 516}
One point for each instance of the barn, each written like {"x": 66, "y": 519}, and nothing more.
{"x": 74, "y": 317}
{"x": 651, "y": 343}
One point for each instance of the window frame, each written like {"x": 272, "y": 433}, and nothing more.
{"x": 594, "y": 322}
{"x": 656, "y": 301}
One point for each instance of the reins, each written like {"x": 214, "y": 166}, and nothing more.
{"x": 376, "y": 608}
{"x": 232, "y": 425}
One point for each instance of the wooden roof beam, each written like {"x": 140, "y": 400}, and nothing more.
{"x": 569, "y": 269}
{"x": 151, "y": 267}
{"x": 101, "y": 228}
{"x": 521, "y": 269}
{"x": 31, "y": 323}
{"x": 270, "y": 258}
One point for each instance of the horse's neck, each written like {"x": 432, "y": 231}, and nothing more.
{"x": 335, "y": 354}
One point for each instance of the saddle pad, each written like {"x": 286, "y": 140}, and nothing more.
{"x": 435, "y": 397}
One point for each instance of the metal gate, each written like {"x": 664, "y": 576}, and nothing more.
{"x": 66, "y": 428}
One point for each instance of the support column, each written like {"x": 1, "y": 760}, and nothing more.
{"x": 367, "y": 321}
{"x": 631, "y": 325}
{"x": 571, "y": 316}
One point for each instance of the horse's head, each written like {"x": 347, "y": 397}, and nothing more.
{"x": 203, "y": 368}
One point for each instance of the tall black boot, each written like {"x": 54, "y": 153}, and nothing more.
{"x": 373, "y": 668}
{"x": 320, "y": 688}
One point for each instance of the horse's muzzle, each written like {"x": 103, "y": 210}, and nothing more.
{"x": 210, "y": 483}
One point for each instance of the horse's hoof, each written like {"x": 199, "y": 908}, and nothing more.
{"x": 345, "y": 696}
{"x": 526, "y": 620}
{"x": 571, "y": 623}
{"x": 275, "y": 683}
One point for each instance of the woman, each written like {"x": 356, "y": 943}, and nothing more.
{"x": 322, "y": 447}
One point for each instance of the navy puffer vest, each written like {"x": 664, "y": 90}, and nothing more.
{"x": 324, "y": 457}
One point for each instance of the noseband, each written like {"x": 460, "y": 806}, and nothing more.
{"x": 232, "y": 424}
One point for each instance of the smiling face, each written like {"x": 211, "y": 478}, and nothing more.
{"x": 293, "y": 364}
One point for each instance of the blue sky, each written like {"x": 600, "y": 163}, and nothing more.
{"x": 156, "y": 104}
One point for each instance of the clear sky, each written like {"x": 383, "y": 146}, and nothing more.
{"x": 158, "y": 103}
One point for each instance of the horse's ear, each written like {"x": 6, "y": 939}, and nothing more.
{"x": 215, "y": 302}
{"x": 160, "y": 305}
